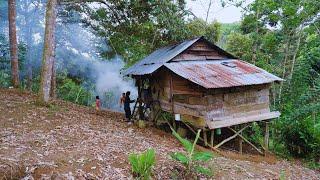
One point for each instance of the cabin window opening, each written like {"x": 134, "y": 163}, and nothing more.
{"x": 229, "y": 64}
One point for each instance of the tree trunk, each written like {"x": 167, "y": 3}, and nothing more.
{"x": 54, "y": 75}
{"x": 29, "y": 77}
{"x": 29, "y": 17}
{"x": 29, "y": 55}
{"x": 286, "y": 54}
{"x": 48, "y": 51}
{"x": 255, "y": 45}
{"x": 13, "y": 43}
{"x": 295, "y": 54}
{"x": 208, "y": 11}
{"x": 53, "y": 81}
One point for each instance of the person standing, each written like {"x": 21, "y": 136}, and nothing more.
{"x": 127, "y": 109}
{"x": 98, "y": 103}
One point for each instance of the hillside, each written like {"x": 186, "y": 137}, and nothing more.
{"x": 64, "y": 140}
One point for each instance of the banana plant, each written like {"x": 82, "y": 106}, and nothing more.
{"x": 191, "y": 159}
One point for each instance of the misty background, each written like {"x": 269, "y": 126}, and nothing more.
{"x": 80, "y": 65}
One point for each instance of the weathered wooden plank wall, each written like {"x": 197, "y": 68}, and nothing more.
{"x": 198, "y": 105}
{"x": 199, "y": 51}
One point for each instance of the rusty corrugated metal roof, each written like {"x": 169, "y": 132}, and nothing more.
{"x": 157, "y": 59}
{"x": 222, "y": 73}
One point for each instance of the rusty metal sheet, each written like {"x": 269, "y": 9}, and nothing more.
{"x": 222, "y": 73}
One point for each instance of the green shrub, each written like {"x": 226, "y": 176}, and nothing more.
{"x": 302, "y": 138}
{"x": 142, "y": 164}
{"x": 5, "y": 79}
{"x": 192, "y": 159}
{"x": 69, "y": 90}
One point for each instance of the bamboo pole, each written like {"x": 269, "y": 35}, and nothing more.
{"x": 231, "y": 137}
{"x": 247, "y": 141}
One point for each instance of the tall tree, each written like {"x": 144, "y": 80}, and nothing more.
{"x": 133, "y": 29}
{"x": 13, "y": 43}
{"x": 48, "y": 51}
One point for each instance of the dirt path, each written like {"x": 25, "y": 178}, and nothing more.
{"x": 66, "y": 141}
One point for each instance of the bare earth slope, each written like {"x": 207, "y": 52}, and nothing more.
{"x": 64, "y": 141}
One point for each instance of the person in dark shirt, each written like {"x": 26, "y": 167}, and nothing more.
{"x": 127, "y": 109}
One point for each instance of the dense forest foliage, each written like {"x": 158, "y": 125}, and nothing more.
{"x": 283, "y": 38}
{"x": 101, "y": 38}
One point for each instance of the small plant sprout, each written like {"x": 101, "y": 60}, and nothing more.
{"x": 142, "y": 164}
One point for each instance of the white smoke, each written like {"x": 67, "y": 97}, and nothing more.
{"x": 109, "y": 79}
{"x": 80, "y": 53}
{"x": 77, "y": 51}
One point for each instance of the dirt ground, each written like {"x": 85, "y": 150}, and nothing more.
{"x": 67, "y": 141}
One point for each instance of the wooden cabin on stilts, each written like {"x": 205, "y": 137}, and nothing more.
{"x": 204, "y": 87}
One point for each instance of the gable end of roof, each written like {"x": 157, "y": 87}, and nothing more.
{"x": 163, "y": 55}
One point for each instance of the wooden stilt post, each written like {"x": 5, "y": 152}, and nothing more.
{"x": 240, "y": 145}
{"x": 205, "y": 137}
{"x": 211, "y": 137}
{"x": 240, "y": 142}
{"x": 172, "y": 103}
{"x": 140, "y": 107}
{"x": 266, "y": 138}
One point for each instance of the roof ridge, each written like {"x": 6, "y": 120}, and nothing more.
{"x": 159, "y": 57}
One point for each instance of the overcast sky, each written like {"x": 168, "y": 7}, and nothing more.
{"x": 224, "y": 15}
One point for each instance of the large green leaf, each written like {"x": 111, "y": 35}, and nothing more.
{"x": 180, "y": 157}
{"x": 203, "y": 170}
{"x": 186, "y": 144}
{"x": 202, "y": 156}
{"x": 133, "y": 159}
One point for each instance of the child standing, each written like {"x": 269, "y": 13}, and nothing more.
{"x": 98, "y": 103}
